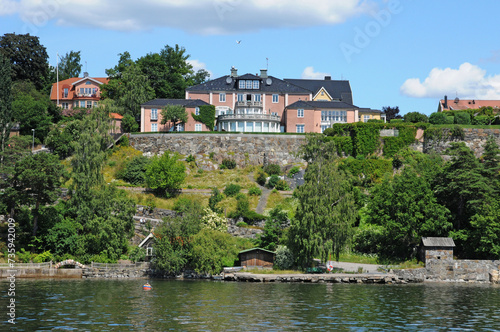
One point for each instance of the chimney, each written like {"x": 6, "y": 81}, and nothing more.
{"x": 85, "y": 74}
{"x": 328, "y": 78}
{"x": 445, "y": 102}
{"x": 234, "y": 72}
{"x": 263, "y": 73}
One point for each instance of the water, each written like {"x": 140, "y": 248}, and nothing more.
{"x": 172, "y": 305}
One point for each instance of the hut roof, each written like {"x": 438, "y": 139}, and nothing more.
{"x": 248, "y": 250}
{"x": 438, "y": 242}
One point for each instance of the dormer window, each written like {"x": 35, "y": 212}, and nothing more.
{"x": 256, "y": 84}
{"x": 242, "y": 84}
{"x": 249, "y": 84}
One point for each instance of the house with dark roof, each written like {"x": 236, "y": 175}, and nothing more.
{"x": 83, "y": 92}
{"x": 264, "y": 103}
{"x": 151, "y": 116}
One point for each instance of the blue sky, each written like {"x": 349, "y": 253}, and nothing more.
{"x": 404, "y": 53}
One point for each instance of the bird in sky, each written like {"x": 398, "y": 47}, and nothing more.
{"x": 238, "y": 42}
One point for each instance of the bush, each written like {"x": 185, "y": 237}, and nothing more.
{"x": 397, "y": 121}
{"x": 462, "y": 118}
{"x": 273, "y": 181}
{"x": 272, "y": 169}
{"x": 214, "y": 199}
{"x": 254, "y": 191}
{"x": 229, "y": 163}
{"x": 165, "y": 174}
{"x": 232, "y": 190}
{"x": 415, "y": 117}
{"x": 129, "y": 125}
{"x": 294, "y": 170}
{"x": 284, "y": 258}
{"x": 137, "y": 254}
{"x": 437, "y": 118}
{"x": 483, "y": 120}
{"x": 124, "y": 141}
{"x": 190, "y": 158}
{"x": 282, "y": 185}
{"x": 261, "y": 178}
{"x": 241, "y": 224}
{"x": 135, "y": 171}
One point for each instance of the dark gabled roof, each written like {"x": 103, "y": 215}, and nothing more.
{"x": 340, "y": 90}
{"x": 183, "y": 102}
{"x": 253, "y": 249}
{"x": 369, "y": 110}
{"x": 320, "y": 104}
{"x": 438, "y": 242}
{"x": 221, "y": 84}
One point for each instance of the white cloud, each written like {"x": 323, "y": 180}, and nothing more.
{"x": 200, "y": 16}
{"x": 309, "y": 73}
{"x": 468, "y": 81}
{"x": 197, "y": 65}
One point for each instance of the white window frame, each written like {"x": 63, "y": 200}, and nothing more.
{"x": 149, "y": 251}
{"x": 276, "y": 98}
{"x": 65, "y": 106}
{"x": 154, "y": 127}
{"x": 154, "y": 114}
{"x": 82, "y": 103}
{"x": 222, "y": 97}
{"x": 257, "y": 98}
{"x": 89, "y": 103}
{"x": 196, "y": 111}
{"x": 197, "y": 127}
{"x": 300, "y": 128}
{"x": 366, "y": 118}
{"x": 241, "y": 97}
{"x": 241, "y": 84}
{"x": 248, "y": 85}
{"x": 255, "y": 84}
{"x": 300, "y": 113}
{"x": 65, "y": 92}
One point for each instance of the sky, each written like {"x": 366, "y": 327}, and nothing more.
{"x": 404, "y": 53}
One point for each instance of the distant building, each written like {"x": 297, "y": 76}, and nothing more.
{"x": 465, "y": 104}
{"x": 256, "y": 257}
{"x": 436, "y": 250}
{"x": 77, "y": 92}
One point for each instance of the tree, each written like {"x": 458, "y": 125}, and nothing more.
{"x": 165, "y": 174}
{"x": 273, "y": 229}
{"x": 407, "y": 209}
{"x": 135, "y": 90}
{"x": 38, "y": 179}
{"x": 491, "y": 159}
{"x": 32, "y": 113}
{"x": 215, "y": 199}
{"x": 201, "y": 76}
{"x": 174, "y": 113}
{"x": 326, "y": 213}
{"x": 486, "y": 230}
{"x": 415, "y": 117}
{"x": 6, "y": 116}
{"x": 391, "y": 113}
{"x": 70, "y": 65}
{"x": 28, "y": 57}
{"x": 129, "y": 125}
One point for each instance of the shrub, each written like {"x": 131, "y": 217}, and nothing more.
{"x": 483, "y": 120}
{"x": 261, "y": 178}
{"x": 129, "y": 125}
{"x": 282, "y": 185}
{"x": 124, "y": 141}
{"x": 137, "y": 254}
{"x": 135, "y": 170}
{"x": 415, "y": 117}
{"x": 232, "y": 189}
{"x": 213, "y": 221}
{"x": 272, "y": 169}
{"x": 284, "y": 258}
{"x": 241, "y": 224}
{"x": 229, "y": 163}
{"x": 437, "y": 118}
{"x": 273, "y": 180}
{"x": 294, "y": 170}
{"x": 397, "y": 120}
{"x": 214, "y": 199}
{"x": 462, "y": 118}
{"x": 254, "y": 191}
{"x": 165, "y": 174}
{"x": 211, "y": 155}
{"x": 190, "y": 158}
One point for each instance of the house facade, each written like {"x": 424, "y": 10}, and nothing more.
{"x": 151, "y": 116}
{"x": 77, "y": 92}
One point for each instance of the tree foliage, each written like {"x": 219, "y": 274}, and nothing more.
{"x": 174, "y": 114}
{"x": 6, "y": 115}
{"x": 69, "y": 65}
{"x": 165, "y": 173}
{"x": 391, "y": 113}
{"x": 129, "y": 125}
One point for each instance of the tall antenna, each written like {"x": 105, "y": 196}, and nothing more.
{"x": 57, "y": 77}
{"x": 267, "y": 63}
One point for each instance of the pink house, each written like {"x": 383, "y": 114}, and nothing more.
{"x": 151, "y": 115}
{"x": 75, "y": 92}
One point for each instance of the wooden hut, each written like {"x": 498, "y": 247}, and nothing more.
{"x": 436, "y": 249}
{"x": 256, "y": 257}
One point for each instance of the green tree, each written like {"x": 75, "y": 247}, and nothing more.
{"x": 69, "y": 65}
{"x": 135, "y": 90}
{"x": 491, "y": 160}
{"x": 415, "y": 117}
{"x": 165, "y": 173}
{"x": 407, "y": 209}
{"x": 326, "y": 213}
{"x": 28, "y": 57}
{"x": 38, "y": 179}
{"x": 391, "y": 113}
{"x": 129, "y": 125}
{"x": 61, "y": 138}
{"x": 32, "y": 114}
{"x": 6, "y": 115}
{"x": 486, "y": 230}
{"x": 215, "y": 199}
{"x": 212, "y": 250}
{"x": 135, "y": 170}
{"x": 174, "y": 113}
{"x": 273, "y": 229}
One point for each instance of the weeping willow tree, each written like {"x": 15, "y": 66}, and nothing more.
{"x": 327, "y": 211}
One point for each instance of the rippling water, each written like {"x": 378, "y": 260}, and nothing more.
{"x": 112, "y": 305}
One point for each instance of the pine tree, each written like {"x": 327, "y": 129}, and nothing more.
{"x": 5, "y": 104}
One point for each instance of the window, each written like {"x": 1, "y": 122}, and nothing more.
{"x": 300, "y": 128}
{"x": 334, "y": 116}
{"x": 65, "y": 93}
{"x": 256, "y": 98}
{"x": 82, "y": 103}
{"x": 88, "y": 83}
{"x": 179, "y": 127}
{"x": 255, "y": 84}
{"x": 65, "y": 106}
{"x": 154, "y": 127}
{"x": 149, "y": 251}
{"x": 276, "y": 98}
{"x": 196, "y": 111}
{"x": 197, "y": 127}
{"x": 241, "y": 97}
{"x": 248, "y": 85}
{"x": 89, "y": 103}
{"x": 82, "y": 91}
{"x": 300, "y": 113}
{"x": 241, "y": 84}
{"x": 154, "y": 114}
{"x": 323, "y": 127}
{"x": 366, "y": 118}
{"x": 222, "y": 97}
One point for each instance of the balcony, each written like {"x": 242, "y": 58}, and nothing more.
{"x": 87, "y": 95}
{"x": 257, "y": 116}
{"x": 248, "y": 103}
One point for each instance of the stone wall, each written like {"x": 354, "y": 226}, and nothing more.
{"x": 139, "y": 270}
{"x": 245, "y": 149}
{"x": 474, "y": 139}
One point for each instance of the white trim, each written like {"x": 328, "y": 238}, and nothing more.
{"x": 322, "y": 89}
{"x": 142, "y": 119}
{"x": 146, "y": 239}
{"x": 87, "y": 78}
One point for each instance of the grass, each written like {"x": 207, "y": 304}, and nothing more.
{"x": 288, "y": 204}
{"x": 119, "y": 157}
{"x": 166, "y": 203}
{"x": 218, "y": 178}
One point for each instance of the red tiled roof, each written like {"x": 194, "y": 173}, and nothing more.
{"x": 71, "y": 89}
{"x": 464, "y": 104}
{"x": 116, "y": 116}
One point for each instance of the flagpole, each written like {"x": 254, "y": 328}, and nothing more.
{"x": 57, "y": 75}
